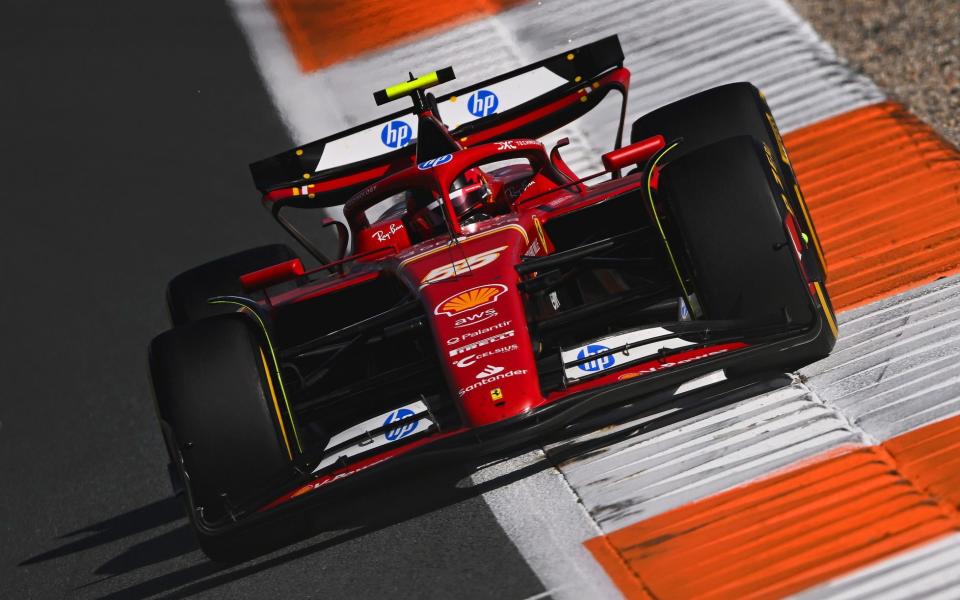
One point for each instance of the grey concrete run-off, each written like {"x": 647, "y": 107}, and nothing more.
{"x": 911, "y": 48}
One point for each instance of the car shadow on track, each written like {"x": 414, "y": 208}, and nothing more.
{"x": 115, "y": 529}
{"x": 394, "y": 500}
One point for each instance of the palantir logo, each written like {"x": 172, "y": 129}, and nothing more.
{"x": 595, "y": 365}
{"x": 403, "y": 430}
{"x": 396, "y": 134}
{"x": 483, "y": 103}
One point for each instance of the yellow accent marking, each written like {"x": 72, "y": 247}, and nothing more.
{"x": 306, "y": 175}
{"x": 540, "y": 235}
{"x": 583, "y": 98}
{"x": 596, "y": 84}
{"x": 299, "y": 152}
{"x": 311, "y": 196}
{"x": 296, "y": 191}
{"x": 451, "y": 244}
{"x": 773, "y": 165}
{"x": 453, "y": 98}
{"x": 570, "y": 56}
{"x": 786, "y": 203}
{"x": 276, "y": 364}
{"x": 276, "y": 405}
{"x": 776, "y": 135}
{"x": 408, "y": 86}
{"x": 463, "y": 139}
{"x": 663, "y": 235}
{"x": 826, "y": 309}
{"x": 496, "y": 394}
{"x": 813, "y": 234}
{"x": 577, "y": 79}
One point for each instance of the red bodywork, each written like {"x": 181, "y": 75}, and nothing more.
{"x": 468, "y": 283}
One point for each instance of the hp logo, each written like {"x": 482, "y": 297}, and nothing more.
{"x": 595, "y": 365}
{"x": 403, "y": 430}
{"x": 483, "y": 103}
{"x": 433, "y": 162}
{"x": 396, "y": 134}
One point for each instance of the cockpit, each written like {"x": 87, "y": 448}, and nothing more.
{"x": 448, "y": 194}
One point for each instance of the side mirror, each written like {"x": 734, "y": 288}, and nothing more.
{"x": 272, "y": 275}
{"x": 633, "y": 154}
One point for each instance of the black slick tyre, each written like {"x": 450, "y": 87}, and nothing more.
{"x": 218, "y": 401}
{"x": 188, "y": 292}
{"x": 726, "y": 207}
{"x": 727, "y": 111}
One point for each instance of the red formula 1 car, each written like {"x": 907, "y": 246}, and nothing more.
{"x": 489, "y": 296}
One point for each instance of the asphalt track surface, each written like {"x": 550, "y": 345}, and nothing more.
{"x": 126, "y": 134}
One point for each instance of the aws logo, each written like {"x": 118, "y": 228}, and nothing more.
{"x": 475, "y": 318}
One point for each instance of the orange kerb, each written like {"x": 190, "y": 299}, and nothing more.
{"x": 786, "y": 533}
{"x": 325, "y": 32}
{"x": 884, "y": 193}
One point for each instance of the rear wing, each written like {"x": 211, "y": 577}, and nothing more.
{"x": 528, "y": 102}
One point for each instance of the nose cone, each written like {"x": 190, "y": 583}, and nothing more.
{"x": 479, "y": 324}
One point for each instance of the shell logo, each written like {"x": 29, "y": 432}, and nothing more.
{"x": 470, "y": 299}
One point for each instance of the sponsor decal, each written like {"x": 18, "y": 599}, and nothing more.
{"x": 482, "y": 103}
{"x": 435, "y": 162}
{"x": 534, "y": 249}
{"x": 472, "y": 334}
{"x": 480, "y": 343}
{"x": 491, "y": 379}
{"x": 470, "y": 359}
{"x": 684, "y": 358}
{"x": 402, "y": 430}
{"x": 385, "y": 235}
{"x": 338, "y": 476}
{"x": 637, "y": 351}
{"x": 683, "y": 313}
{"x": 516, "y": 144}
{"x": 470, "y": 299}
{"x": 455, "y": 268}
{"x": 473, "y": 319}
{"x": 376, "y": 432}
{"x": 600, "y": 364}
{"x": 554, "y": 300}
{"x": 496, "y": 394}
{"x": 489, "y": 371}
{"x": 396, "y": 134}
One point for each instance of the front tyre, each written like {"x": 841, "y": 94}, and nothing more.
{"x": 218, "y": 400}
{"x": 727, "y": 210}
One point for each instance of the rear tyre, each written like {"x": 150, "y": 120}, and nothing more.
{"x": 727, "y": 209}
{"x": 188, "y": 292}
{"x": 216, "y": 399}
{"x": 727, "y": 111}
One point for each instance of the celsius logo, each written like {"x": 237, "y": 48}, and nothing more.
{"x": 595, "y": 365}
{"x": 483, "y": 103}
{"x": 396, "y": 134}
{"x": 403, "y": 430}
{"x": 435, "y": 162}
